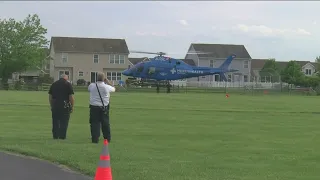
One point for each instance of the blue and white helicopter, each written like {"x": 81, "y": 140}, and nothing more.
{"x": 161, "y": 68}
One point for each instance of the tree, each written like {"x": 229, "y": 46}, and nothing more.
{"x": 317, "y": 60}
{"x": 21, "y": 45}
{"x": 270, "y": 69}
{"x": 292, "y": 73}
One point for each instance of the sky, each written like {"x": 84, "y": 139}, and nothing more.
{"x": 282, "y": 30}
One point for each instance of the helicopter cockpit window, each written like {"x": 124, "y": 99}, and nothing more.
{"x": 140, "y": 68}
{"x": 152, "y": 70}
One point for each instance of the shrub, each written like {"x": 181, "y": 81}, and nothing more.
{"x": 81, "y": 82}
{"x": 45, "y": 78}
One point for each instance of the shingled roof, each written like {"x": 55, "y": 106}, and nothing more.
{"x": 135, "y": 61}
{"x": 89, "y": 45}
{"x": 221, "y": 50}
{"x": 259, "y": 63}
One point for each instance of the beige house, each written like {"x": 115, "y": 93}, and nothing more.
{"x": 213, "y": 55}
{"x": 83, "y": 58}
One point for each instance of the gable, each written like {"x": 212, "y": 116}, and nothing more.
{"x": 309, "y": 66}
{"x": 221, "y": 50}
{"x": 89, "y": 45}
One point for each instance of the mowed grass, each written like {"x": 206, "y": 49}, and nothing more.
{"x": 176, "y": 136}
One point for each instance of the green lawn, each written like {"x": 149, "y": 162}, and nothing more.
{"x": 176, "y": 136}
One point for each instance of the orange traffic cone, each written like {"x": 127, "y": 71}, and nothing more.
{"x": 103, "y": 171}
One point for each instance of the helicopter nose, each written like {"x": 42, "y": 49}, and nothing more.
{"x": 126, "y": 72}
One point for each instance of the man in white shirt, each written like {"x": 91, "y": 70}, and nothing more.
{"x": 99, "y": 111}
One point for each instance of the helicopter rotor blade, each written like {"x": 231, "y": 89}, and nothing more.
{"x": 145, "y": 52}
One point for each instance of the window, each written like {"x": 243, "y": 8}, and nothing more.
{"x": 116, "y": 59}
{"x": 80, "y": 74}
{"x": 63, "y": 72}
{"x": 211, "y": 63}
{"x": 121, "y": 57}
{"x": 48, "y": 66}
{"x": 246, "y": 64}
{"x": 216, "y": 77}
{"x": 94, "y": 76}
{"x": 152, "y": 70}
{"x": 114, "y": 76}
{"x": 95, "y": 58}
{"x": 229, "y": 78}
{"x": 245, "y": 78}
{"x": 308, "y": 72}
{"x": 64, "y": 57}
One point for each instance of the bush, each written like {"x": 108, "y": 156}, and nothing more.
{"x": 81, "y": 82}
{"x": 45, "y": 79}
{"x": 18, "y": 84}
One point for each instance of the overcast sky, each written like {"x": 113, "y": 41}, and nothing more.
{"x": 282, "y": 30}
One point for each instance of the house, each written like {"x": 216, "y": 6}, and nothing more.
{"x": 213, "y": 55}
{"x": 307, "y": 67}
{"x": 83, "y": 58}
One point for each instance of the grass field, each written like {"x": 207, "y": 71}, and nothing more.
{"x": 176, "y": 136}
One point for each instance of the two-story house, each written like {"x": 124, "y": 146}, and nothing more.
{"x": 83, "y": 58}
{"x": 213, "y": 55}
{"x": 307, "y": 67}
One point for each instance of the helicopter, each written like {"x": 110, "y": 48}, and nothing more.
{"x": 162, "y": 68}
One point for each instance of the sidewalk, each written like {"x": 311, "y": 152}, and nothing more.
{"x": 14, "y": 167}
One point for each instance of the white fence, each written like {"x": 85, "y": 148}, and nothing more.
{"x": 256, "y": 85}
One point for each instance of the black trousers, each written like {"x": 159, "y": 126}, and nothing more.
{"x": 98, "y": 119}
{"x": 60, "y": 122}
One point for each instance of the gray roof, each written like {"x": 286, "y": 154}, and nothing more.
{"x": 221, "y": 50}
{"x": 134, "y": 61}
{"x": 89, "y": 45}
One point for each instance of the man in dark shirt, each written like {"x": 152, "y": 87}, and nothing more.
{"x": 61, "y": 101}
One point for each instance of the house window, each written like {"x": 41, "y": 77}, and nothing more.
{"x": 121, "y": 57}
{"x": 114, "y": 76}
{"x": 80, "y": 74}
{"x": 245, "y": 78}
{"x": 211, "y": 63}
{"x": 229, "y": 77}
{"x": 64, "y": 57}
{"x": 95, "y": 58}
{"x": 216, "y": 77}
{"x": 116, "y": 59}
{"x": 246, "y": 64}
{"x": 48, "y": 66}
{"x": 308, "y": 72}
{"x": 63, "y": 72}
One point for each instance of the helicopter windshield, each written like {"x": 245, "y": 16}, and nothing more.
{"x": 140, "y": 67}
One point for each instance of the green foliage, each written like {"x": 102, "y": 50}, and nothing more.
{"x": 21, "y": 45}
{"x": 81, "y": 82}
{"x": 270, "y": 69}
{"x": 18, "y": 84}
{"x": 292, "y": 73}
{"x": 45, "y": 78}
{"x": 317, "y": 60}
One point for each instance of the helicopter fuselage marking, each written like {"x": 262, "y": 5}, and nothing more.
{"x": 184, "y": 71}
